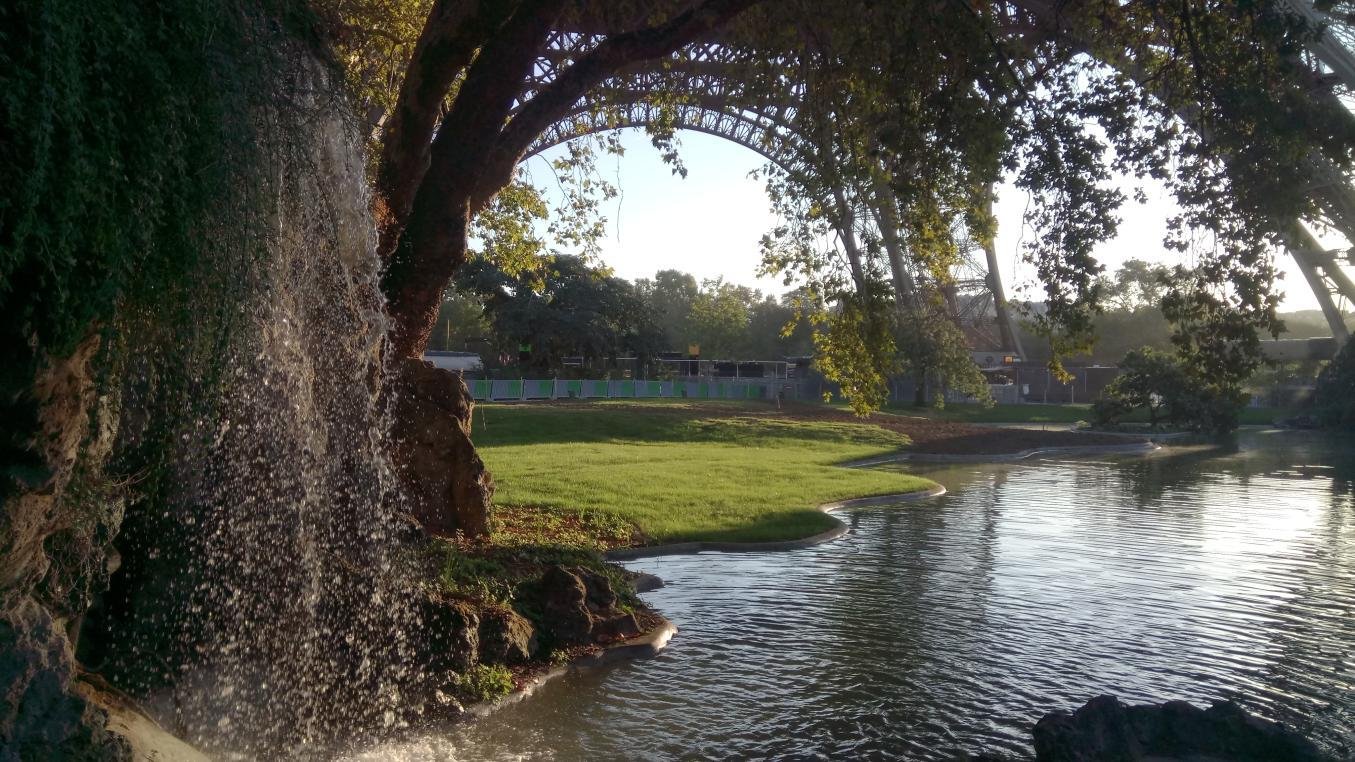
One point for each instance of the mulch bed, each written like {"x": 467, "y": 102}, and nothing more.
{"x": 930, "y": 436}
{"x": 934, "y": 437}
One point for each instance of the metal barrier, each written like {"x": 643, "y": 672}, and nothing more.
{"x": 548, "y": 389}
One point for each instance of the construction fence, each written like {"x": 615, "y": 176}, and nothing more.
{"x": 554, "y": 389}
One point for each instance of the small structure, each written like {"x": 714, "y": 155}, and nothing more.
{"x": 462, "y": 362}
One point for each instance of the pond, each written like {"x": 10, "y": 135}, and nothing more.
{"x": 951, "y": 625}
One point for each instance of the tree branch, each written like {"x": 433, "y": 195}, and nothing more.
{"x": 455, "y": 29}
{"x": 422, "y": 257}
{"x": 555, "y": 99}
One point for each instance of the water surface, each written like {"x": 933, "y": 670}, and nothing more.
{"x": 951, "y": 625}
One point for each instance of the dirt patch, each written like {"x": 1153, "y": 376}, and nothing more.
{"x": 929, "y": 436}
{"x": 934, "y": 437}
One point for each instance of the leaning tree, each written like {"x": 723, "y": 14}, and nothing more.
{"x": 888, "y": 122}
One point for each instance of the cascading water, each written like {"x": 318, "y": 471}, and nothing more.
{"x": 284, "y": 503}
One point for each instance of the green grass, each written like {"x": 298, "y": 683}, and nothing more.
{"x": 710, "y": 471}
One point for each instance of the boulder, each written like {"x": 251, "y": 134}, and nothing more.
{"x": 564, "y": 606}
{"x": 447, "y": 484}
{"x": 506, "y": 637}
{"x": 1105, "y": 730}
{"x": 449, "y": 639}
{"x": 618, "y": 627}
{"x": 601, "y": 597}
{"x": 579, "y": 607}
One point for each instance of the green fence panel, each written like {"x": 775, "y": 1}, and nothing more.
{"x": 543, "y": 388}
{"x": 479, "y": 389}
{"x": 653, "y": 389}
{"x": 574, "y": 388}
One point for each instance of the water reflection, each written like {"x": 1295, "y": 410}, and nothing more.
{"x": 951, "y": 625}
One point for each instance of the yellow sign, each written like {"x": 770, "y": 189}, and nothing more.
{"x": 694, "y": 350}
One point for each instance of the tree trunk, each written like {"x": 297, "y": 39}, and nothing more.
{"x": 429, "y": 193}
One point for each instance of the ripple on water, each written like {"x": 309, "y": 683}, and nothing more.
{"x": 953, "y": 624}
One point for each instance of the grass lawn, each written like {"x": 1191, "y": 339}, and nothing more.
{"x": 681, "y": 471}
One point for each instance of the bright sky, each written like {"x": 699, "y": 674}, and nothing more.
{"x": 709, "y": 224}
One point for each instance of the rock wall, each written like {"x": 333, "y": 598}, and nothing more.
{"x": 226, "y": 401}
{"x": 53, "y": 544}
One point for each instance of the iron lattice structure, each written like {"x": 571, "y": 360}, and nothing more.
{"x": 704, "y": 88}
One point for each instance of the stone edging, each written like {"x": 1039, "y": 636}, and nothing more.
{"x": 643, "y": 646}
{"x": 1138, "y": 448}
{"x": 630, "y": 554}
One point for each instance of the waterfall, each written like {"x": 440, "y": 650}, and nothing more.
{"x": 283, "y": 490}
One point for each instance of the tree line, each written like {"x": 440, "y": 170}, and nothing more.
{"x": 570, "y": 308}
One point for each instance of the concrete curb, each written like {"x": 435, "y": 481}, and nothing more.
{"x": 1137, "y": 448}
{"x": 648, "y": 551}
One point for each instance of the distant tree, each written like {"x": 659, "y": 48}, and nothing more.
{"x": 1306, "y": 324}
{"x": 1120, "y": 331}
{"x": 461, "y": 318}
{"x": 719, "y": 319}
{"x": 567, "y": 309}
{"x": 768, "y": 337}
{"x": 669, "y": 297}
{"x": 1137, "y": 284}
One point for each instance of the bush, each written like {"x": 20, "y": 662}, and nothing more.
{"x": 1334, "y": 398}
{"x": 1160, "y": 385}
{"x": 484, "y": 682}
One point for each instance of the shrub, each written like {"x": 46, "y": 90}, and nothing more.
{"x": 1334, "y": 398}
{"x": 484, "y": 682}
{"x": 1160, "y": 385}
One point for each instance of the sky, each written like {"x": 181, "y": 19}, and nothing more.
{"x": 709, "y": 223}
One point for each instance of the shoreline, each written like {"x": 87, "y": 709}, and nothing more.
{"x": 643, "y": 646}
{"x": 716, "y": 546}
{"x": 1135, "y": 448}
{"x": 651, "y": 644}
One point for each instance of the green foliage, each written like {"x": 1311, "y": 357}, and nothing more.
{"x": 126, "y": 128}
{"x": 569, "y": 309}
{"x": 505, "y": 232}
{"x": 1136, "y": 285}
{"x": 718, "y": 320}
{"x": 669, "y": 296}
{"x": 373, "y": 41}
{"x": 931, "y": 345}
{"x": 484, "y": 682}
{"x": 476, "y": 577}
{"x": 1210, "y": 98}
{"x": 855, "y": 347}
{"x": 1334, "y": 400}
{"x": 727, "y": 321}
{"x": 1167, "y": 390}
{"x": 460, "y": 319}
